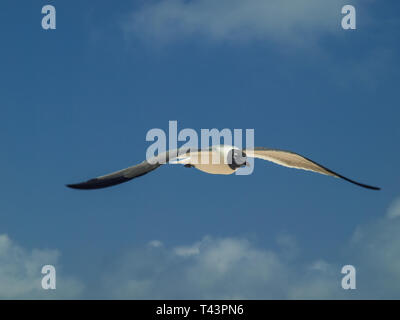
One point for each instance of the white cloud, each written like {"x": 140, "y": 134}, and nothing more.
{"x": 375, "y": 248}
{"x": 155, "y": 244}
{"x": 20, "y": 273}
{"x": 288, "y": 21}
{"x": 185, "y": 251}
{"x": 211, "y": 268}
{"x": 394, "y": 209}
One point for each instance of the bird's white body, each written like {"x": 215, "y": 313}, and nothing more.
{"x": 212, "y": 161}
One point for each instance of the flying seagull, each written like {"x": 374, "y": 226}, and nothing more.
{"x": 221, "y": 159}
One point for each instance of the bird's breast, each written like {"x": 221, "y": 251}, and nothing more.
{"x": 211, "y": 168}
{"x": 213, "y": 162}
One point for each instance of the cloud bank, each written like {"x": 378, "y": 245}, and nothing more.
{"x": 221, "y": 268}
{"x": 235, "y": 268}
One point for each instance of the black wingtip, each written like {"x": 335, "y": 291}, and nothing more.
{"x": 358, "y": 183}
{"x": 80, "y": 186}
{"x": 89, "y": 185}
{"x": 98, "y": 183}
{"x": 370, "y": 187}
{"x": 74, "y": 186}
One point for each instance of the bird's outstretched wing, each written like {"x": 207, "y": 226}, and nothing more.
{"x": 294, "y": 160}
{"x": 129, "y": 173}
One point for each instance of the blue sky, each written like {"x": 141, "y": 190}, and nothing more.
{"x": 77, "y": 102}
